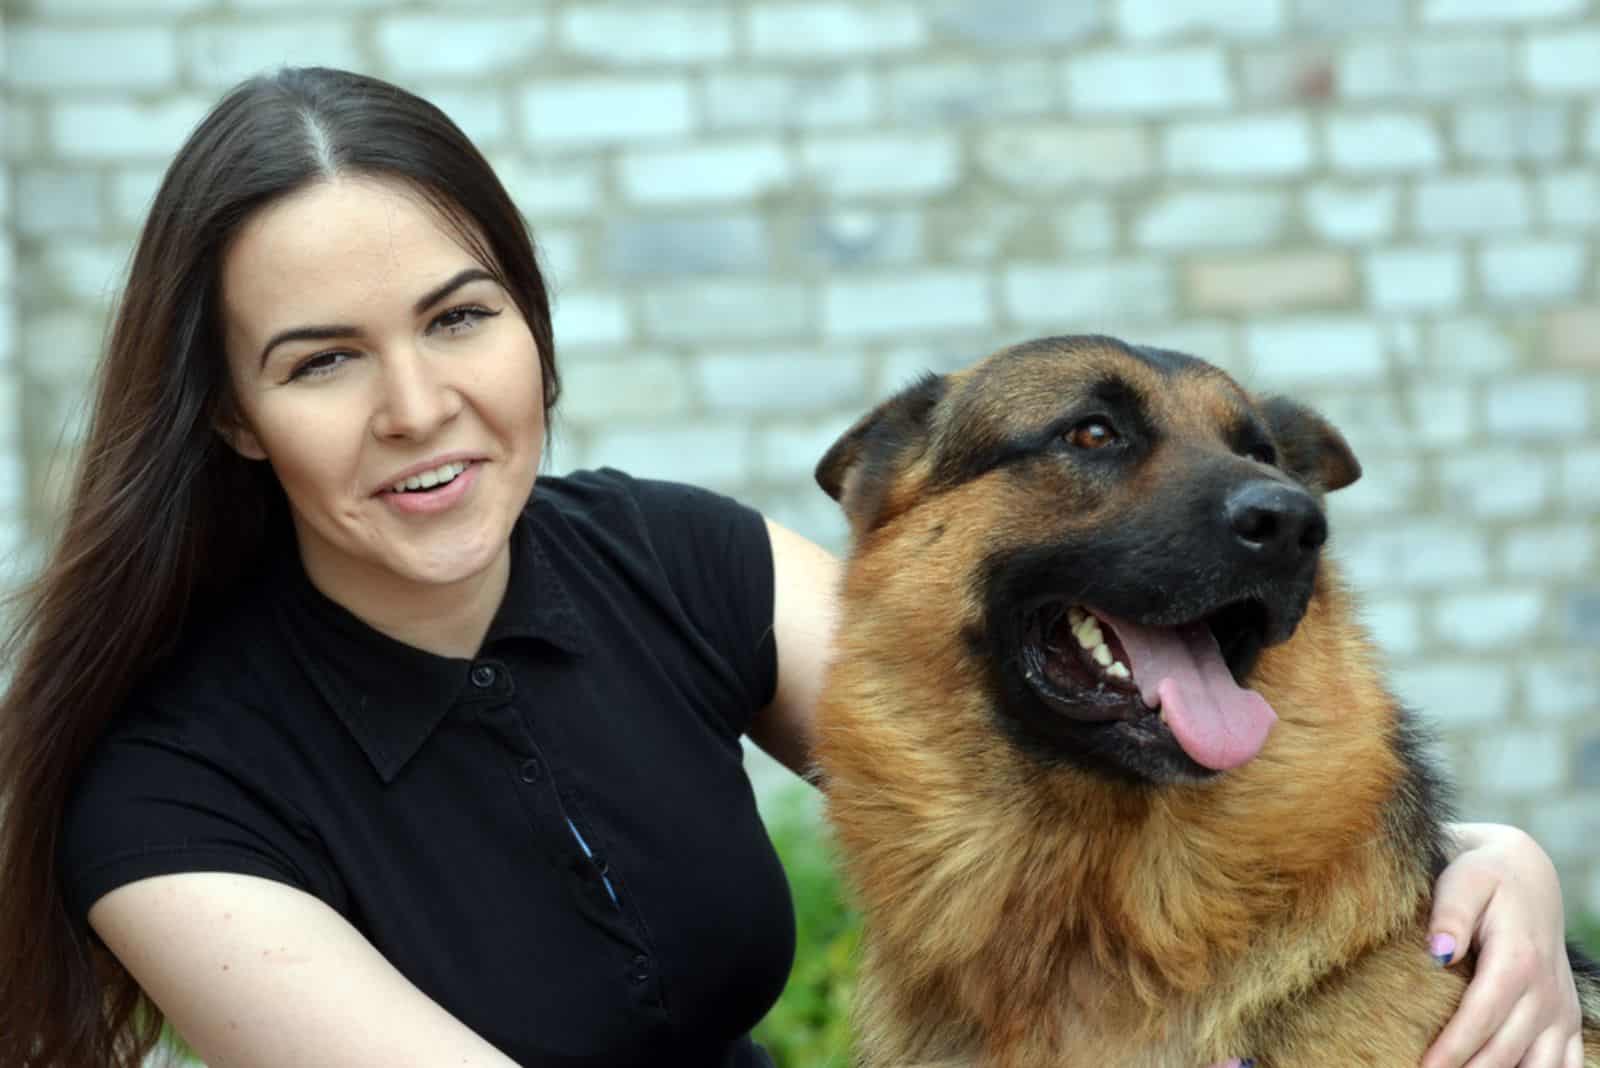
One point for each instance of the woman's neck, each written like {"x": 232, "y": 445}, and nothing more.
{"x": 447, "y": 620}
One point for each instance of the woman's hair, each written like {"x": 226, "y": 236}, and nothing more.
{"x": 164, "y": 517}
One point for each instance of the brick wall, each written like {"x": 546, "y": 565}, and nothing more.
{"x": 762, "y": 215}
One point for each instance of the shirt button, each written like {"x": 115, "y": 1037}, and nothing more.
{"x": 483, "y": 676}
{"x": 532, "y": 770}
{"x": 641, "y": 969}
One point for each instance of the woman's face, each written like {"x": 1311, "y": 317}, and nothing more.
{"x": 391, "y": 383}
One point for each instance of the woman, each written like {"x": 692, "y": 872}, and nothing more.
{"x": 333, "y": 745}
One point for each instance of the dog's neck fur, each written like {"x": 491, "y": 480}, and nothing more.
{"x": 1124, "y": 954}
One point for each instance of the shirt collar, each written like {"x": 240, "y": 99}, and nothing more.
{"x": 391, "y": 696}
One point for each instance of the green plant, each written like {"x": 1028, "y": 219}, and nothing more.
{"x": 1586, "y": 932}
{"x": 809, "y": 1027}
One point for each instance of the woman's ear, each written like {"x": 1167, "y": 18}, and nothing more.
{"x": 232, "y": 428}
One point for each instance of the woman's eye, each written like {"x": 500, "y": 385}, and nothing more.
{"x": 1093, "y": 434}
{"x": 316, "y": 366}
{"x": 461, "y": 320}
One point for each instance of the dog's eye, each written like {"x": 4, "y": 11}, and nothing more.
{"x": 1263, "y": 453}
{"x": 1093, "y": 433}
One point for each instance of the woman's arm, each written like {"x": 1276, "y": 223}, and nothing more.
{"x": 257, "y": 974}
{"x": 1521, "y": 1007}
{"x": 805, "y": 612}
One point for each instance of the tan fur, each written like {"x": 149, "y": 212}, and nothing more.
{"x": 1019, "y": 916}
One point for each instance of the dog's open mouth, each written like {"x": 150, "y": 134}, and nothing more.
{"x": 1185, "y": 679}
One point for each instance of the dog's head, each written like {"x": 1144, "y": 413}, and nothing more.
{"x": 1138, "y": 528}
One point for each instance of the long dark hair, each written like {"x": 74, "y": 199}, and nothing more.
{"x": 164, "y": 518}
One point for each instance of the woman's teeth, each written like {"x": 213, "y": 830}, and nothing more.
{"x": 429, "y": 479}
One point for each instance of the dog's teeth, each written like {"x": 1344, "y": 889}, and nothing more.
{"x": 1163, "y": 713}
{"x": 1088, "y": 633}
{"x": 1102, "y": 655}
{"x": 1119, "y": 670}
{"x": 1075, "y": 616}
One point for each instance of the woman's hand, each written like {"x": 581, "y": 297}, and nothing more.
{"x": 1521, "y": 1008}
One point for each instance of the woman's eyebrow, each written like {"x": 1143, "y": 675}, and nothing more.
{"x": 331, "y": 333}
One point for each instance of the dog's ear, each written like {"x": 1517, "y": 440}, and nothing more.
{"x": 859, "y": 469}
{"x": 1309, "y": 447}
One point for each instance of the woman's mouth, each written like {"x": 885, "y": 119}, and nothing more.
{"x": 442, "y": 475}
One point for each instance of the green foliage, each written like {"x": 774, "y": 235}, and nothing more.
{"x": 1586, "y": 932}
{"x": 809, "y": 1027}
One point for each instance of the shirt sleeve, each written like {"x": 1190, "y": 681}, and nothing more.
{"x": 717, "y": 557}
{"x": 150, "y": 803}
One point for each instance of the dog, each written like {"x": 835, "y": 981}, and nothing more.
{"x": 1110, "y": 763}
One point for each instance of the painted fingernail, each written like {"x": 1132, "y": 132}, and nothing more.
{"x": 1443, "y": 947}
{"x": 1248, "y": 1062}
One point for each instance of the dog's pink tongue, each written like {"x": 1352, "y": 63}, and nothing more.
{"x": 1219, "y": 724}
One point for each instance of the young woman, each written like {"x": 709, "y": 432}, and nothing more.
{"x": 338, "y": 739}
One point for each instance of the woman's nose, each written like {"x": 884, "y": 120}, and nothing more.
{"x": 415, "y": 399}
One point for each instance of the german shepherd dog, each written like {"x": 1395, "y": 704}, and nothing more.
{"x": 1110, "y": 762}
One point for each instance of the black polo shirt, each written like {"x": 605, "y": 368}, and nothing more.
{"x": 555, "y": 840}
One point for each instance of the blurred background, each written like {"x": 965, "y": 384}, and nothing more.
{"x": 761, "y": 216}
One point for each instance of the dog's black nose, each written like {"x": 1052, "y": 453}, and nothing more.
{"x": 1276, "y": 523}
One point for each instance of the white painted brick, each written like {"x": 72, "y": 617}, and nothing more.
{"x": 1570, "y": 198}
{"x": 808, "y": 100}
{"x": 1212, "y": 341}
{"x": 1395, "y": 623}
{"x": 133, "y": 191}
{"x": 888, "y": 306}
{"x": 13, "y": 485}
{"x": 1470, "y": 347}
{"x": 1314, "y": 351}
{"x": 11, "y": 407}
{"x": 789, "y": 451}
{"x": 1389, "y": 485}
{"x": 1506, "y": 133}
{"x": 481, "y": 114}
{"x": 854, "y": 237}
{"x": 1151, "y": 83}
{"x": 1152, "y": 19}
{"x": 594, "y": 111}
{"x": 119, "y": 130}
{"x": 1423, "y": 68}
{"x": 1415, "y": 279}
{"x": 600, "y": 391}
{"x": 56, "y": 57}
{"x": 1346, "y": 213}
{"x": 728, "y": 310}
{"x": 547, "y": 190}
{"x": 1219, "y": 219}
{"x": 561, "y": 253}
{"x": 777, "y": 382}
{"x": 1456, "y": 693}
{"x": 1580, "y": 477}
{"x": 1488, "y": 621}
{"x": 58, "y": 349}
{"x": 1014, "y": 25}
{"x": 1441, "y": 413}
{"x": 1271, "y": 146}
{"x": 1385, "y": 143}
{"x": 1519, "y": 763}
{"x": 1457, "y": 11}
{"x": 1565, "y": 61}
{"x": 1496, "y": 485}
{"x": 1064, "y": 157}
{"x": 583, "y": 319}
{"x": 1567, "y": 829}
{"x": 90, "y": 271}
{"x": 1481, "y": 204}
{"x": 813, "y": 31}
{"x": 813, "y": 515}
{"x": 685, "y": 245}
{"x": 1543, "y": 408}
{"x": 221, "y": 54}
{"x": 613, "y": 34}
{"x": 1557, "y": 550}
{"x": 1100, "y": 298}
{"x": 1088, "y": 226}
{"x": 884, "y": 164}
{"x": 1557, "y": 687}
{"x": 717, "y": 455}
{"x": 953, "y": 90}
{"x": 1344, "y": 16}
{"x": 55, "y": 202}
{"x": 1533, "y": 270}
{"x": 125, "y": 7}
{"x": 902, "y": 365}
{"x": 730, "y": 170}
